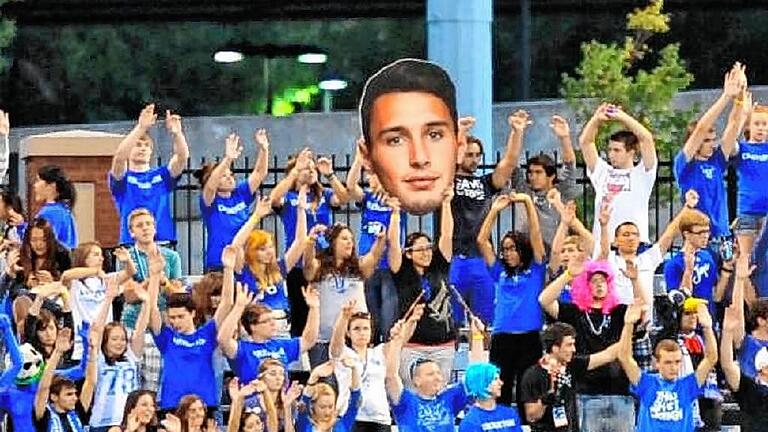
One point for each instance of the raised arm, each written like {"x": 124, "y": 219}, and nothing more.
{"x": 12, "y": 347}
{"x": 147, "y": 119}
{"x": 126, "y": 264}
{"x": 731, "y": 370}
{"x": 370, "y": 260}
{"x": 312, "y": 327}
{"x": 340, "y": 329}
{"x": 738, "y": 116}
{"x": 92, "y": 370}
{"x": 673, "y": 228}
{"x": 340, "y": 194}
{"x": 743, "y": 273}
{"x": 484, "y": 239}
{"x": 311, "y": 263}
{"x": 227, "y": 337}
{"x": 228, "y": 259}
{"x": 263, "y": 208}
{"x": 445, "y": 243}
{"x": 537, "y": 241}
{"x": 589, "y": 136}
{"x": 142, "y": 322}
{"x": 180, "y": 148}
{"x": 518, "y": 122}
{"x": 550, "y": 294}
{"x": 732, "y": 86}
{"x": 260, "y": 169}
{"x": 628, "y": 363}
{"x": 156, "y": 271}
{"x": 395, "y": 250}
{"x": 477, "y": 346}
{"x": 97, "y": 326}
{"x": 562, "y": 131}
{"x": 232, "y": 150}
{"x": 353, "y": 175}
{"x": 710, "y": 345}
{"x": 644, "y": 136}
{"x": 5, "y": 147}
{"x": 643, "y": 296}
{"x": 63, "y": 343}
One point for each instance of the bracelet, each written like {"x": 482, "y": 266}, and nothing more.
{"x": 477, "y": 336}
{"x": 568, "y": 275}
{"x": 723, "y": 269}
{"x": 330, "y": 176}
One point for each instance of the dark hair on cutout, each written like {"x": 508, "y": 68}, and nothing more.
{"x": 524, "y": 249}
{"x": 407, "y": 75}
{"x": 555, "y": 334}
{"x": 544, "y": 161}
{"x": 628, "y": 139}
{"x": 64, "y": 188}
{"x": 181, "y": 300}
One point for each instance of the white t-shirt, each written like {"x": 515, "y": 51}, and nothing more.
{"x": 113, "y": 385}
{"x": 374, "y": 406}
{"x": 646, "y": 263}
{"x": 631, "y": 190}
{"x": 86, "y": 298}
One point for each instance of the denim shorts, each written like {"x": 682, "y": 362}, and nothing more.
{"x": 749, "y": 224}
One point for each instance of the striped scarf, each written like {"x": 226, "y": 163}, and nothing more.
{"x": 55, "y": 425}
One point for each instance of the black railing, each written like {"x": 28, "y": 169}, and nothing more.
{"x": 664, "y": 203}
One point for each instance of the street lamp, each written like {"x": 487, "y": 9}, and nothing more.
{"x": 330, "y": 82}
{"x": 237, "y": 52}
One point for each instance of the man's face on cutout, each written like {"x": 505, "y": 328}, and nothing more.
{"x": 414, "y": 148}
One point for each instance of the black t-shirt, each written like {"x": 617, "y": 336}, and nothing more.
{"x": 753, "y": 401}
{"x": 471, "y": 200}
{"x": 41, "y": 424}
{"x": 594, "y": 333}
{"x": 536, "y": 384}
{"x": 436, "y": 325}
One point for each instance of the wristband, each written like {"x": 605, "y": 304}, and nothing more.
{"x": 568, "y": 275}
{"x": 477, "y": 336}
{"x": 723, "y": 269}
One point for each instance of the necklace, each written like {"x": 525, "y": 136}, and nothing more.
{"x": 598, "y": 331}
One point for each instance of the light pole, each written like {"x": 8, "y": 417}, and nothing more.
{"x": 237, "y": 52}
{"x": 330, "y": 82}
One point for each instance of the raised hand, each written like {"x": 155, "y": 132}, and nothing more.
{"x": 132, "y": 422}
{"x": 501, "y": 202}
{"x": 261, "y": 139}
{"x": 348, "y": 308}
{"x": 14, "y": 218}
{"x": 519, "y": 197}
{"x": 303, "y": 159}
{"x": 302, "y": 197}
{"x": 705, "y": 319}
{"x": 172, "y": 122}
{"x": 733, "y": 84}
{"x": 348, "y": 362}
{"x": 691, "y": 198}
{"x": 233, "y": 388}
{"x": 466, "y": 123}
{"x": 63, "y": 340}
{"x": 744, "y": 269}
{"x": 112, "y": 288}
{"x": 122, "y": 255}
{"x": 311, "y": 296}
{"x": 601, "y": 113}
{"x": 156, "y": 261}
{"x": 292, "y": 393}
{"x": 475, "y": 325}
{"x": 519, "y": 120}
{"x": 325, "y": 370}
{"x": 171, "y": 423}
{"x": 147, "y": 117}
{"x": 560, "y": 127}
{"x": 263, "y": 208}
{"x": 243, "y": 296}
{"x": 393, "y": 203}
{"x": 5, "y": 124}
{"x": 232, "y": 147}
{"x": 605, "y": 213}
{"x": 631, "y": 271}
{"x": 325, "y": 166}
{"x": 316, "y": 230}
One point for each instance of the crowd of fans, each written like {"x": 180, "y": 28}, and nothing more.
{"x": 565, "y": 327}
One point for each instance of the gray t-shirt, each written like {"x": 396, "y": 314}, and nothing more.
{"x": 549, "y": 218}
{"x": 334, "y": 291}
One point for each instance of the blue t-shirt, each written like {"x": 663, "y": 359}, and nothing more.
{"x": 517, "y": 299}
{"x": 250, "y": 354}
{"x": 151, "y": 190}
{"x": 666, "y": 405}
{"x": 275, "y": 296}
{"x": 707, "y": 178}
{"x": 63, "y": 223}
{"x": 752, "y": 166}
{"x": 187, "y": 365}
{"x": 345, "y": 423}
{"x": 320, "y": 216}
{"x": 501, "y": 419}
{"x": 374, "y": 218}
{"x": 704, "y": 274}
{"x": 749, "y": 348}
{"x": 416, "y": 414}
{"x": 223, "y": 218}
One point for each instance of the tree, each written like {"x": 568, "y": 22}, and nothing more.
{"x": 7, "y": 32}
{"x": 619, "y": 73}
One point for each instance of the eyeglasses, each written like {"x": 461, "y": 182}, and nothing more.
{"x": 420, "y": 248}
{"x": 704, "y": 231}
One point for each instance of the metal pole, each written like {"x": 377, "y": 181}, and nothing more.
{"x": 268, "y": 84}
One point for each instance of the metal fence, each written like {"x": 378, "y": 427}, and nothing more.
{"x": 191, "y": 234}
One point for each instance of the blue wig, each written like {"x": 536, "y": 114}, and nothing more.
{"x": 478, "y": 377}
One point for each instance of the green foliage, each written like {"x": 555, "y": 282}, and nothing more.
{"x": 614, "y": 72}
{"x": 7, "y": 32}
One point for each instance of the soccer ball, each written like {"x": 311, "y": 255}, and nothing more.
{"x": 31, "y": 367}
